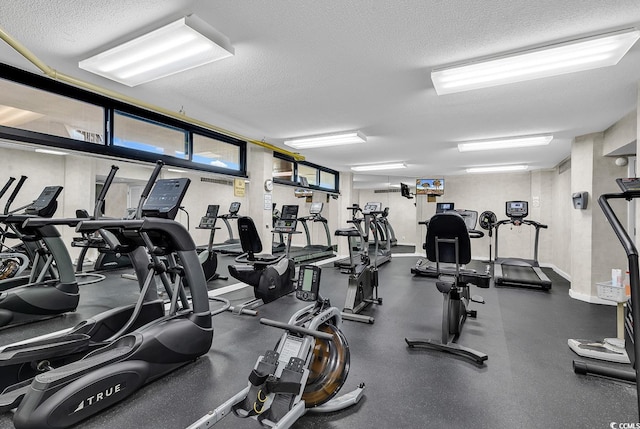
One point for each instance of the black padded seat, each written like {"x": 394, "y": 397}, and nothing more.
{"x": 448, "y": 225}
{"x": 252, "y": 245}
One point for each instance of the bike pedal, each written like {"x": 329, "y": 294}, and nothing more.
{"x": 472, "y": 313}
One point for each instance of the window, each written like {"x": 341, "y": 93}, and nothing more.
{"x": 215, "y": 153}
{"x": 40, "y": 111}
{"x": 283, "y": 170}
{"x": 311, "y": 174}
{"x": 328, "y": 180}
{"x": 33, "y": 109}
{"x": 289, "y": 172}
{"x": 146, "y": 136}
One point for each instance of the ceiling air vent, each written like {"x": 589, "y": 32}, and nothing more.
{"x": 386, "y": 191}
{"x": 564, "y": 166}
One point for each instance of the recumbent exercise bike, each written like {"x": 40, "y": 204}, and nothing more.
{"x": 448, "y": 241}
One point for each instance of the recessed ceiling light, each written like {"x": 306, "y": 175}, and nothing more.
{"x": 375, "y": 167}
{"x": 505, "y": 143}
{"x": 336, "y": 139}
{"x": 182, "y": 45}
{"x": 497, "y": 168}
{"x": 51, "y": 152}
{"x": 569, "y": 57}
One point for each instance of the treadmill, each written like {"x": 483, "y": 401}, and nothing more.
{"x": 518, "y": 271}
{"x": 231, "y": 246}
{"x": 313, "y": 252}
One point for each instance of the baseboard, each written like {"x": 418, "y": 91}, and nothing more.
{"x": 590, "y": 298}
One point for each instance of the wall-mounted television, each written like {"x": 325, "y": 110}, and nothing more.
{"x": 429, "y": 186}
{"x": 405, "y": 191}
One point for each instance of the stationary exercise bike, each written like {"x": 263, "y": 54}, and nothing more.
{"x": 448, "y": 241}
{"x": 363, "y": 276}
{"x": 271, "y": 276}
{"x": 304, "y": 372}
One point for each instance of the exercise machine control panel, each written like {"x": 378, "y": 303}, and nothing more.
{"x": 308, "y": 283}
{"x": 288, "y": 220}
{"x": 517, "y": 209}
{"x": 165, "y": 198}
{"x": 631, "y": 184}
{"x": 46, "y": 203}
{"x": 372, "y": 208}
{"x": 208, "y": 221}
{"x": 444, "y": 207}
{"x": 316, "y": 208}
{"x": 234, "y": 208}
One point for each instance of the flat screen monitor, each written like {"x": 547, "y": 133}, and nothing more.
{"x": 429, "y": 186}
{"x": 405, "y": 191}
{"x": 289, "y": 212}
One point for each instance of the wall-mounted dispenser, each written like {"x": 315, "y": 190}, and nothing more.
{"x": 580, "y": 200}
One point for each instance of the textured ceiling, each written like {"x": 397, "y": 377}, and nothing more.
{"x": 307, "y": 67}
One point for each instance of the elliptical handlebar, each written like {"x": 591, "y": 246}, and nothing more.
{"x": 5, "y": 188}
{"x": 14, "y": 193}
{"x": 148, "y": 187}
{"x": 103, "y": 192}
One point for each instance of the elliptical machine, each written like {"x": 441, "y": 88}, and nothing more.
{"x": 208, "y": 257}
{"x": 304, "y": 372}
{"x": 271, "y": 276}
{"x": 12, "y": 262}
{"x": 448, "y": 241}
{"x": 107, "y": 359}
{"x": 362, "y": 289}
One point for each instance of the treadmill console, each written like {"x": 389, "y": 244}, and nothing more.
{"x": 234, "y": 208}
{"x": 46, "y": 203}
{"x": 288, "y": 219}
{"x": 631, "y": 184}
{"x": 165, "y": 198}
{"x": 372, "y": 208}
{"x": 208, "y": 221}
{"x": 308, "y": 283}
{"x": 470, "y": 218}
{"x": 444, "y": 207}
{"x": 517, "y": 209}
{"x": 316, "y": 208}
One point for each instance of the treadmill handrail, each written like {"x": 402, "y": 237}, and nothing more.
{"x": 634, "y": 277}
{"x": 626, "y": 241}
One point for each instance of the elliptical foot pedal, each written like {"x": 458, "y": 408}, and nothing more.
{"x": 12, "y": 395}
{"x": 478, "y": 299}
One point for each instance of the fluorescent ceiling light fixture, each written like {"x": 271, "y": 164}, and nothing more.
{"x": 51, "y": 152}
{"x": 12, "y": 116}
{"x": 496, "y": 169}
{"x": 505, "y": 143}
{"x": 182, "y": 45}
{"x": 375, "y": 167}
{"x": 175, "y": 170}
{"x": 336, "y": 139}
{"x": 569, "y": 57}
